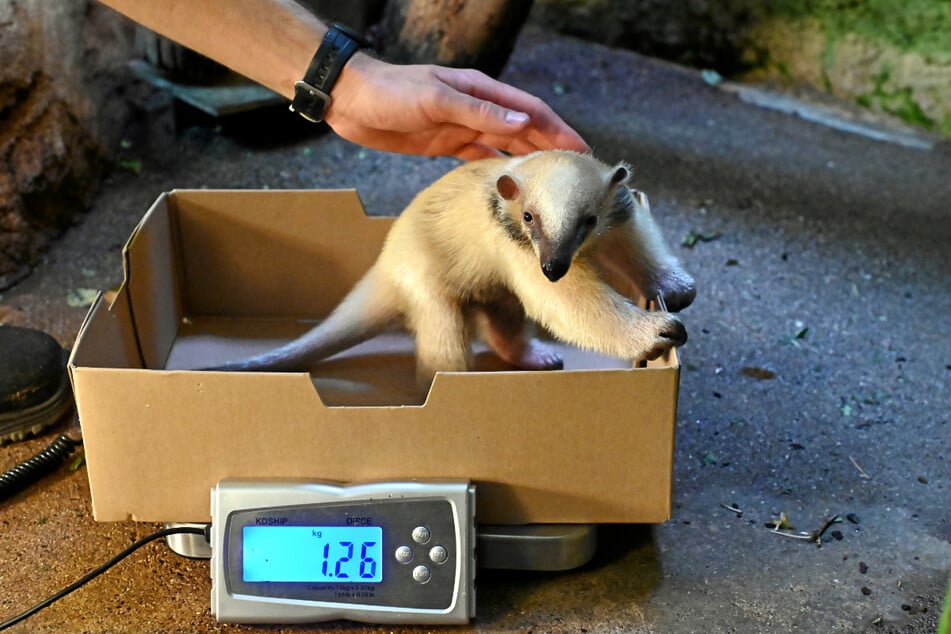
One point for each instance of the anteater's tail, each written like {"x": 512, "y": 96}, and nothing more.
{"x": 369, "y": 309}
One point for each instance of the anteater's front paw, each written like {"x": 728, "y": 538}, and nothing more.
{"x": 669, "y": 333}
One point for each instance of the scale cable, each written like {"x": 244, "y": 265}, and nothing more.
{"x": 194, "y": 530}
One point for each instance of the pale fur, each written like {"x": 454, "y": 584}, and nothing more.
{"x": 449, "y": 266}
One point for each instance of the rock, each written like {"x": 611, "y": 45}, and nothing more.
{"x": 62, "y": 73}
{"x": 461, "y": 33}
{"x": 700, "y": 33}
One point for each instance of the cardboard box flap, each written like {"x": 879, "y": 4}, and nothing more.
{"x": 273, "y": 254}
{"x": 107, "y": 337}
{"x": 151, "y": 283}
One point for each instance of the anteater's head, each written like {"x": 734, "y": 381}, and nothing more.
{"x": 556, "y": 202}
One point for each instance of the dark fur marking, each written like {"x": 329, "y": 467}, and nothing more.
{"x": 622, "y": 207}
{"x": 512, "y": 229}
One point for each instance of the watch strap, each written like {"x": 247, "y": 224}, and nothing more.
{"x": 312, "y": 93}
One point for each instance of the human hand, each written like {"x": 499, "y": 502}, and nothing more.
{"x": 438, "y": 111}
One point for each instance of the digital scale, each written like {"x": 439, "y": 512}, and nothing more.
{"x": 386, "y": 552}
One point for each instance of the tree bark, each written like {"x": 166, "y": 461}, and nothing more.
{"x": 460, "y": 33}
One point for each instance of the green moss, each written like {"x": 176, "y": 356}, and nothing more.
{"x": 945, "y": 128}
{"x": 919, "y": 26}
{"x": 902, "y": 104}
{"x": 899, "y": 102}
{"x": 944, "y": 627}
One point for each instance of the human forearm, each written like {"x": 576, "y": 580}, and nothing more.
{"x": 421, "y": 109}
{"x": 270, "y": 41}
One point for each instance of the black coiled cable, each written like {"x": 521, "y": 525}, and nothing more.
{"x": 29, "y": 471}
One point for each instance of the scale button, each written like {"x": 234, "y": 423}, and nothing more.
{"x": 421, "y": 574}
{"x": 404, "y": 554}
{"x": 421, "y": 534}
{"x": 438, "y": 555}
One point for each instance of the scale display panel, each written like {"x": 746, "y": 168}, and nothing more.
{"x": 395, "y": 552}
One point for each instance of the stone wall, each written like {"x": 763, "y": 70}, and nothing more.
{"x": 888, "y": 56}
{"x": 891, "y": 56}
{"x": 62, "y": 75}
{"x": 701, "y": 33}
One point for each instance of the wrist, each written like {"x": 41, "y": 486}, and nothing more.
{"x": 353, "y": 78}
{"x": 312, "y": 93}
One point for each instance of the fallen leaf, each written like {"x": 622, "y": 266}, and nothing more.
{"x": 876, "y": 398}
{"x": 794, "y": 338}
{"x": 693, "y": 237}
{"x": 780, "y": 523}
{"x": 133, "y": 165}
{"x": 81, "y": 297}
{"x": 761, "y": 374}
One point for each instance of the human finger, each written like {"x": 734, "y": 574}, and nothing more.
{"x": 519, "y": 144}
{"x": 476, "y": 151}
{"x": 483, "y": 116}
{"x": 551, "y": 130}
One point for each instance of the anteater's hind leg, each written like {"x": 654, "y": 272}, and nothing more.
{"x": 441, "y": 343}
{"x": 502, "y": 325}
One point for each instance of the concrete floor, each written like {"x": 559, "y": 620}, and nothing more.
{"x": 815, "y": 381}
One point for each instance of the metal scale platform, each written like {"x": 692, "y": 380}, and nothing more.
{"x": 533, "y": 547}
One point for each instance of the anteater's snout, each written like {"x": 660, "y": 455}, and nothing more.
{"x": 555, "y": 269}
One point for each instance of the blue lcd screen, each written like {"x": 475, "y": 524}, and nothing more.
{"x": 313, "y": 554}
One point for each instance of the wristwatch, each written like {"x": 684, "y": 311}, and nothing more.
{"x": 312, "y": 93}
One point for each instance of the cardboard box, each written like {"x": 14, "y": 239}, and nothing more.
{"x": 211, "y": 275}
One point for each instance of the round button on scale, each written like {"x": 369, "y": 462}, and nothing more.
{"x": 404, "y": 554}
{"x": 438, "y": 555}
{"x": 421, "y": 574}
{"x": 421, "y": 534}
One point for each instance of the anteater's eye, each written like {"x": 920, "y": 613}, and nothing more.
{"x": 528, "y": 218}
{"x": 590, "y": 221}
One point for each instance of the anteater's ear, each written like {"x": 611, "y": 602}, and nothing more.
{"x": 507, "y": 187}
{"x": 621, "y": 173}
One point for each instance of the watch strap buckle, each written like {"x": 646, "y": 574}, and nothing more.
{"x": 307, "y": 100}
{"x": 312, "y": 93}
